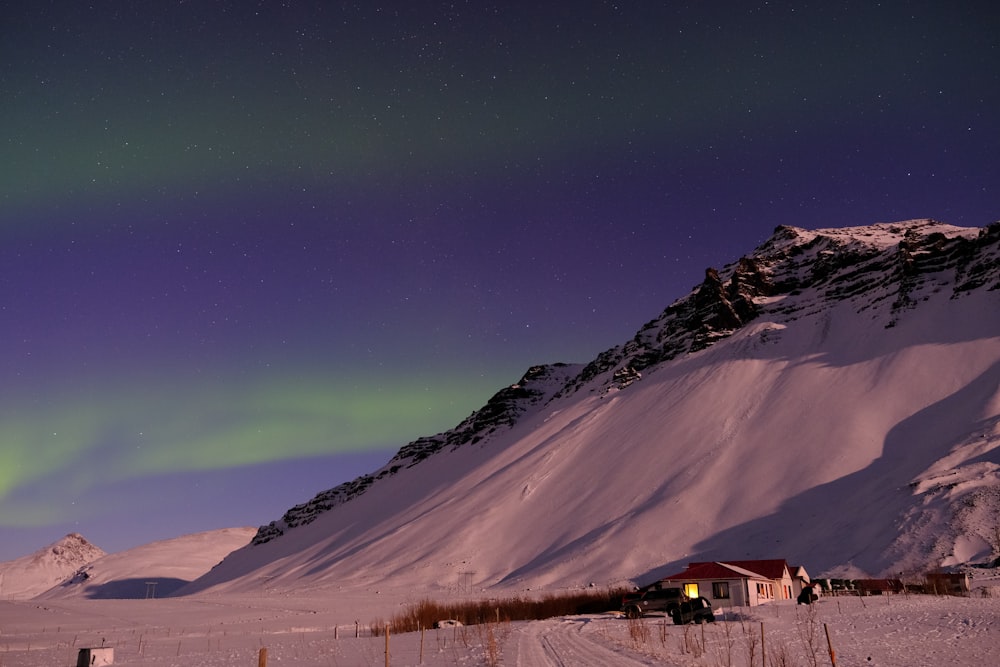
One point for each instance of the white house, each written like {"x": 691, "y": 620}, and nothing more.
{"x": 741, "y": 582}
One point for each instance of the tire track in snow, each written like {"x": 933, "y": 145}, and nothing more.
{"x": 571, "y": 643}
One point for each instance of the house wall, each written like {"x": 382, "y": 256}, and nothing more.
{"x": 763, "y": 591}
{"x": 784, "y": 588}
{"x": 742, "y": 592}
{"x": 736, "y": 589}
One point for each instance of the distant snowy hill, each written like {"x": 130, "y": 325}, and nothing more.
{"x": 155, "y": 569}
{"x": 26, "y": 577}
{"x": 831, "y": 399}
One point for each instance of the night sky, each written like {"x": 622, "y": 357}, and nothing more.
{"x": 249, "y": 249}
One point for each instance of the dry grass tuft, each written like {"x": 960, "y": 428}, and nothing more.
{"x": 427, "y": 613}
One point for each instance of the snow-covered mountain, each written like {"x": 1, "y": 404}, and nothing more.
{"x": 150, "y": 570}
{"x": 831, "y": 398}
{"x": 26, "y": 577}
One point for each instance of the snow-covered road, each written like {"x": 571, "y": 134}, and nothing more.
{"x": 569, "y": 642}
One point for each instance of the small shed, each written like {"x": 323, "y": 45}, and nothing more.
{"x": 95, "y": 657}
{"x": 948, "y": 583}
{"x": 878, "y": 586}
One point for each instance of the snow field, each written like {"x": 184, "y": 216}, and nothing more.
{"x": 886, "y": 631}
{"x": 897, "y": 631}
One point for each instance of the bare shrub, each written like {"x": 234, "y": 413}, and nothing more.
{"x": 751, "y": 640}
{"x": 724, "y": 647}
{"x": 778, "y": 655}
{"x": 690, "y": 643}
{"x": 463, "y": 633}
{"x": 427, "y": 612}
{"x": 807, "y": 627}
{"x": 638, "y": 631}
{"x": 492, "y": 636}
{"x": 663, "y": 632}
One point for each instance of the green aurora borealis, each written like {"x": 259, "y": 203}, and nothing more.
{"x": 85, "y": 440}
{"x": 249, "y": 249}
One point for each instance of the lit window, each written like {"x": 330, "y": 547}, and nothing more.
{"x": 691, "y": 590}
{"x": 720, "y": 590}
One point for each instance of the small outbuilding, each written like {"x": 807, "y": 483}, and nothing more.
{"x": 95, "y": 657}
{"x": 948, "y": 583}
{"x": 878, "y": 586}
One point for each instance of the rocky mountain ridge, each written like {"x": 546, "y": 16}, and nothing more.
{"x": 795, "y": 273}
{"x": 832, "y": 398}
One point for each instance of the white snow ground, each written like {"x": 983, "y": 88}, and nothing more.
{"x": 890, "y": 631}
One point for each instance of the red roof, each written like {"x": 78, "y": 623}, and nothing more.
{"x": 708, "y": 571}
{"x": 765, "y": 569}
{"x": 773, "y": 568}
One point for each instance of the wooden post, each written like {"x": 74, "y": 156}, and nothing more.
{"x": 386, "y": 645}
{"x": 421, "y": 645}
{"x": 763, "y": 651}
{"x": 829, "y": 646}
{"x": 357, "y": 629}
{"x": 262, "y": 657}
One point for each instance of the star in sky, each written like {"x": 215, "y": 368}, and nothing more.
{"x": 285, "y": 235}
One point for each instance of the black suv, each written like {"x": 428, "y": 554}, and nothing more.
{"x": 652, "y": 598}
{"x": 695, "y": 610}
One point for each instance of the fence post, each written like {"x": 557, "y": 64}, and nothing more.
{"x": 386, "y": 645}
{"x": 262, "y": 657}
{"x": 763, "y": 650}
{"x": 829, "y": 646}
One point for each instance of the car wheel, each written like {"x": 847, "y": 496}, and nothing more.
{"x": 632, "y": 612}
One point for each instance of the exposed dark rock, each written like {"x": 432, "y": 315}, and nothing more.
{"x": 623, "y": 377}
{"x": 500, "y": 412}
{"x": 822, "y": 269}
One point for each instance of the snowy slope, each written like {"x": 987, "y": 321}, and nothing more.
{"x": 169, "y": 563}
{"x": 35, "y": 573}
{"x": 831, "y": 399}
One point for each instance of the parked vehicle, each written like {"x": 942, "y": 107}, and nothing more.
{"x": 695, "y": 610}
{"x": 650, "y": 599}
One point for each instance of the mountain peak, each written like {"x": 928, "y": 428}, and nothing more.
{"x": 35, "y": 573}
{"x": 810, "y": 395}
{"x": 71, "y": 550}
